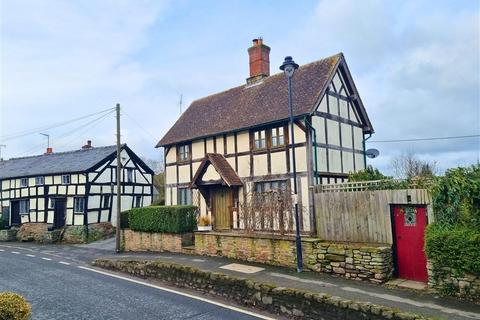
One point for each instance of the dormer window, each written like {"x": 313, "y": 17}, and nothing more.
{"x": 259, "y": 139}
{"x": 183, "y": 152}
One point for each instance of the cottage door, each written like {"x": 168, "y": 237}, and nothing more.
{"x": 15, "y": 209}
{"x": 410, "y": 222}
{"x": 59, "y": 213}
{"x": 221, "y": 207}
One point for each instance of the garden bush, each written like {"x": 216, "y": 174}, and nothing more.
{"x": 456, "y": 247}
{"x": 13, "y": 307}
{"x": 168, "y": 219}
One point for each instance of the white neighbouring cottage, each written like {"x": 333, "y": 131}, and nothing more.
{"x": 72, "y": 188}
{"x": 231, "y": 144}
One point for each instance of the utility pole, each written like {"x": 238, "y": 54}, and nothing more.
{"x": 119, "y": 182}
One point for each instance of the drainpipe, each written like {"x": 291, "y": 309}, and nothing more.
{"x": 364, "y": 151}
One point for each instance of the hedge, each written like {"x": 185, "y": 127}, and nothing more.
{"x": 168, "y": 219}
{"x": 124, "y": 219}
{"x": 13, "y": 307}
{"x": 456, "y": 247}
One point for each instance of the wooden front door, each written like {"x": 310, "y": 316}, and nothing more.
{"x": 59, "y": 212}
{"x": 410, "y": 223}
{"x": 15, "y": 209}
{"x": 221, "y": 207}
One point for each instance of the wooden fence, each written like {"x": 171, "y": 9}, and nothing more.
{"x": 361, "y": 216}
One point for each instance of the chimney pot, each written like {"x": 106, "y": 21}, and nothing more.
{"x": 49, "y": 150}
{"x": 259, "y": 59}
{"x": 88, "y": 145}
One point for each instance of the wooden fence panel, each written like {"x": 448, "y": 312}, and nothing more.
{"x": 361, "y": 216}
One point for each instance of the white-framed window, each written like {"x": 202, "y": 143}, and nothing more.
{"x": 129, "y": 175}
{"x": 183, "y": 152}
{"x": 24, "y": 182}
{"x": 184, "y": 196}
{"x": 66, "y": 179}
{"x": 39, "y": 181}
{"x": 278, "y": 137}
{"x": 259, "y": 139}
{"x": 106, "y": 201}
{"x": 78, "y": 205}
{"x": 265, "y": 186}
{"x": 138, "y": 201}
{"x": 24, "y": 206}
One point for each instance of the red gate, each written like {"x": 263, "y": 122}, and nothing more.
{"x": 410, "y": 222}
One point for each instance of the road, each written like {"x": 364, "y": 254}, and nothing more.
{"x": 61, "y": 289}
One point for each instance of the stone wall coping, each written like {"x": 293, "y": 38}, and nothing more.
{"x": 351, "y": 245}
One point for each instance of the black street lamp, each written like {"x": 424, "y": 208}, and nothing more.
{"x": 288, "y": 67}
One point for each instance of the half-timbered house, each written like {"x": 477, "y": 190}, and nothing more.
{"x": 227, "y": 144}
{"x": 72, "y": 188}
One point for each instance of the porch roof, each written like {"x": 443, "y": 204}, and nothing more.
{"x": 221, "y": 165}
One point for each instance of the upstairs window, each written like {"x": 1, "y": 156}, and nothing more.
{"x": 278, "y": 138}
{"x": 129, "y": 175}
{"x": 24, "y": 206}
{"x": 259, "y": 139}
{"x": 183, "y": 152}
{"x": 39, "y": 181}
{"x": 78, "y": 205}
{"x": 184, "y": 196}
{"x": 24, "y": 182}
{"x": 66, "y": 179}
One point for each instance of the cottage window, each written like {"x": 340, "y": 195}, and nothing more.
{"x": 266, "y": 186}
{"x": 183, "y": 152}
{"x": 184, "y": 196}
{"x": 24, "y": 182}
{"x": 259, "y": 137}
{"x": 39, "y": 181}
{"x": 79, "y": 205}
{"x": 66, "y": 179}
{"x": 129, "y": 175}
{"x": 138, "y": 201}
{"x": 52, "y": 203}
{"x": 106, "y": 202}
{"x": 278, "y": 138}
{"x": 24, "y": 206}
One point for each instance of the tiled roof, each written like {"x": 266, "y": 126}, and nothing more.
{"x": 223, "y": 168}
{"x": 54, "y": 163}
{"x": 247, "y": 106}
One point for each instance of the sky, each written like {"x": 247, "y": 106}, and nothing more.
{"x": 416, "y": 65}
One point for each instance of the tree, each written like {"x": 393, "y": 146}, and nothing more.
{"x": 369, "y": 174}
{"x": 409, "y": 166}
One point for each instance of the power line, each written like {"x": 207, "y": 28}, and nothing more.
{"x": 426, "y": 139}
{"x": 139, "y": 125}
{"x": 44, "y": 128}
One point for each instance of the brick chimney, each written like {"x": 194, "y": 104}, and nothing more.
{"x": 49, "y": 150}
{"x": 259, "y": 58}
{"x": 88, "y": 145}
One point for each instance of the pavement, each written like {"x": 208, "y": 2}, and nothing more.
{"x": 416, "y": 301}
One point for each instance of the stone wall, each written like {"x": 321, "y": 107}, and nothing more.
{"x": 453, "y": 283}
{"x": 8, "y": 235}
{"x": 354, "y": 261}
{"x": 37, "y": 232}
{"x": 291, "y": 303}
{"x": 146, "y": 241}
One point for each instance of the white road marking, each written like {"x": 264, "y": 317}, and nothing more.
{"x": 286, "y": 276}
{"x": 63, "y": 262}
{"x": 2, "y": 250}
{"x": 180, "y": 293}
{"x": 48, "y": 259}
{"x": 390, "y": 297}
{"x": 198, "y": 260}
{"x": 30, "y": 255}
{"x": 15, "y": 252}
